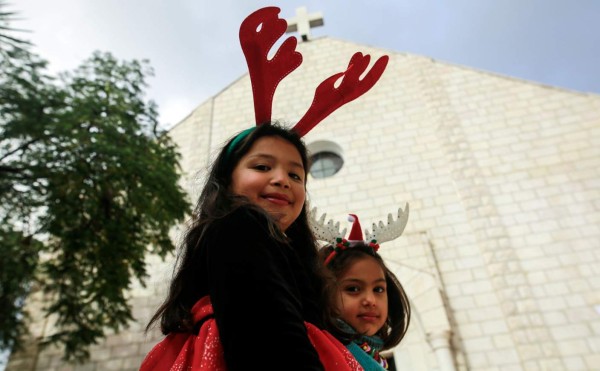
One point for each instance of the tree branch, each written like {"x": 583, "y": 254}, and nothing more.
{"x": 20, "y": 148}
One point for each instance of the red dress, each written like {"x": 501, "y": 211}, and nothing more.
{"x": 185, "y": 351}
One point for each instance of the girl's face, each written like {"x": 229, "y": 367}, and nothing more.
{"x": 271, "y": 176}
{"x": 362, "y": 299}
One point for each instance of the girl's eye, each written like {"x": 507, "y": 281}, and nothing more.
{"x": 295, "y": 176}
{"x": 261, "y": 167}
{"x": 379, "y": 290}
{"x": 352, "y": 289}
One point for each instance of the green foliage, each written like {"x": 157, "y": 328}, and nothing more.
{"x": 18, "y": 259}
{"x": 85, "y": 169}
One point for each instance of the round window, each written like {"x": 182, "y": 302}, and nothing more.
{"x": 325, "y": 164}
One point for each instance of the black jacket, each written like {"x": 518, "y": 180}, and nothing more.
{"x": 261, "y": 293}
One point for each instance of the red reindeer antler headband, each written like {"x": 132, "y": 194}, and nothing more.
{"x": 259, "y": 32}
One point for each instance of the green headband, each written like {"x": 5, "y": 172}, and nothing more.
{"x": 234, "y": 143}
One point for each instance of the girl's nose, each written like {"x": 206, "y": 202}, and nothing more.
{"x": 368, "y": 300}
{"x": 280, "y": 178}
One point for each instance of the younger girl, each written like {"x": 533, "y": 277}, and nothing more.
{"x": 368, "y": 310}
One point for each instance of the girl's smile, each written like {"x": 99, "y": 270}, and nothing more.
{"x": 277, "y": 198}
{"x": 369, "y": 317}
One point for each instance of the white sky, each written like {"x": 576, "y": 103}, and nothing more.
{"x": 194, "y": 49}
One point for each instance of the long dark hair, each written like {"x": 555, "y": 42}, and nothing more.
{"x": 395, "y": 326}
{"x": 215, "y": 202}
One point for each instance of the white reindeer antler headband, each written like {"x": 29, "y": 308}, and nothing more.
{"x": 330, "y": 232}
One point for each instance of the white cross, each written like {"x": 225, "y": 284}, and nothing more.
{"x": 303, "y": 22}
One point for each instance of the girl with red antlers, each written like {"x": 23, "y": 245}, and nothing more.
{"x": 247, "y": 289}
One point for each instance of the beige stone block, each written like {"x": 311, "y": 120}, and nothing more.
{"x": 532, "y": 365}
{"x": 494, "y": 327}
{"x": 592, "y": 360}
{"x": 113, "y": 364}
{"x": 557, "y": 288}
{"x": 575, "y": 363}
{"x": 132, "y": 363}
{"x": 479, "y": 344}
{"x": 574, "y": 347}
{"x": 100, "y": 353}
{"x": 503, "y": 341}
{"x": 479, "y": 361}
{"x": 483, "y": 314}
{"x": 570, "y": 332}
{"x": 506, "y": 356}
{"x": 124, "y": 350}
{"x": 594, "y": 342}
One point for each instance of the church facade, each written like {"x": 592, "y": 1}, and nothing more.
{"x": 501, "y": 254}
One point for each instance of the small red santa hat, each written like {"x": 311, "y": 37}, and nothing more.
{"x": 356, "y": 232}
